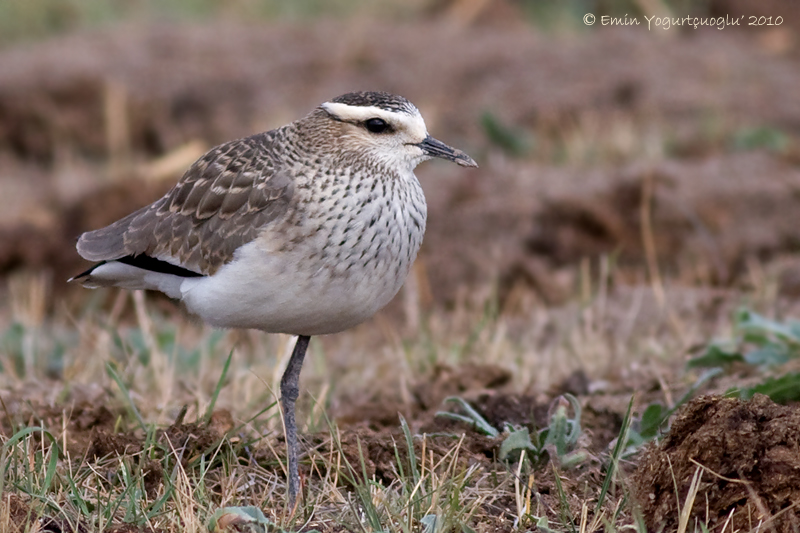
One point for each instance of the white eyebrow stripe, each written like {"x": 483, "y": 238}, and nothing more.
{"x": 414, "y": 124}
{"x": 360, "y": 113}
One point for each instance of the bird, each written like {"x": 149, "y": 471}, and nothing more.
{"x": 308, "y": 229}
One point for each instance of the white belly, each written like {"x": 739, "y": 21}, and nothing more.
{"x": 288, "y": 293}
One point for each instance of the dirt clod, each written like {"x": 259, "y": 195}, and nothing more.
{"x": 105, "y": 443}
{"x": 196, "y": 438}
{"x": 749, "y": 453}
{"x": 449, "y": 381}
{"x": 18, "y": 512}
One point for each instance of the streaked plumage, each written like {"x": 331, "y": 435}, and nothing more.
{"x": 307, "y": 229}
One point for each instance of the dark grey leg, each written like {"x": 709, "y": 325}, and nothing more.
{"x": 289, "y": 392}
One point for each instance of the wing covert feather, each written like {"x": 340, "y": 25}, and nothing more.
{"x": 220, "y": 204}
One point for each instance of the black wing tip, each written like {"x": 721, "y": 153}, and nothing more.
{"x": 86, "y": 273}
{"x": 147, "y": 262}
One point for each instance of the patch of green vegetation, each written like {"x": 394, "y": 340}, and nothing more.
{"x": 763, "y": 137}
{"x": 759, "y": 345}
{"x": 558, "y": 441}
{"x": 26, "y": 20}
{"x": 513, "y": 141}
{"x": 557, "y": 444}
{"x": 762, "y": 345}
{"x": 248, "y": 517}
{"x": 25, "y": 348}
{"x": 564, "y": 15}
{"x": 12, "y": 342}
{"x": 656, "y": 415}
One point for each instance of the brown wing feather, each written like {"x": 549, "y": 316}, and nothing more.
{"x": 220, "y": 204}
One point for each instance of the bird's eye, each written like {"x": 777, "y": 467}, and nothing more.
{"x": 377, "y": 125}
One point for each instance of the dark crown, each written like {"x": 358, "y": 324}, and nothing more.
{"x": 387, "y": 101}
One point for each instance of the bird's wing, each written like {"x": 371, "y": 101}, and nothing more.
{"x": 220, "y": 204}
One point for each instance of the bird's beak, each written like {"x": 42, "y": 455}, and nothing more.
{"x": 433, "y": 148}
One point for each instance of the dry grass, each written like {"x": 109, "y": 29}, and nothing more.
{"x": 624, "y": 337}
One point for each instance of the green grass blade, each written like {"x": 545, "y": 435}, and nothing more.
{"x": 76, "y": 497}
{"x": 52, "y": 463}
{"x": 412, "y": 455}
{"x": 126, "y": 393}
{"x": 371, "y": 512}
{"x": 473, "y": 417}
{"x": 217, "y": 389}
{"x": 169, "y": 490}
{"x": 563, "y": 508}
{"x": 250, "y": 420}
{"x": 622, "y": 440}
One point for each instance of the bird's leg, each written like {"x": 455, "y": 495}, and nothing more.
{"x": 289, "y": 392}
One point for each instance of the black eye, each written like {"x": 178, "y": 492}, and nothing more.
{"x": 377, "y": 125}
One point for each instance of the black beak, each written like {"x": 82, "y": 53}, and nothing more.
{"x": 434, "y": 148}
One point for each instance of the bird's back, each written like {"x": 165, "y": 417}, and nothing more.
{"x": 219, "y": 205}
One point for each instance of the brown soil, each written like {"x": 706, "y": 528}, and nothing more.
{"x": 380, "y": 450}
{"x": 20, "y": 515}
{"x": 518, "y": 222}
{"x": 23, "y": 517}
{"x": 91, "y": 434}
{"x": 749, "y": 452}
{"x": 51, "y": 246}
{"x": 127, "y": 528}
{"x": 184, "y": 440}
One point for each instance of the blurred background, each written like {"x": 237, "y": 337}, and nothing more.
{"x": 610, "y": 156}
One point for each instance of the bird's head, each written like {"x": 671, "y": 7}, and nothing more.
{"x": 385, "y": 126}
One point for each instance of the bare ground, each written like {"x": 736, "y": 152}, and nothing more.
{"x": 713, "y": 207}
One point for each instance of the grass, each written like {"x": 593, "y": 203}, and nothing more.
{"x": 27, "y": 20}
{"x": 159, "y": 372}
{"x": 191, "y": 438}
{"x": 34, "y": 19}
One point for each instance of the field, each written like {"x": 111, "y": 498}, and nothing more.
{"x": 597, "y": 335}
